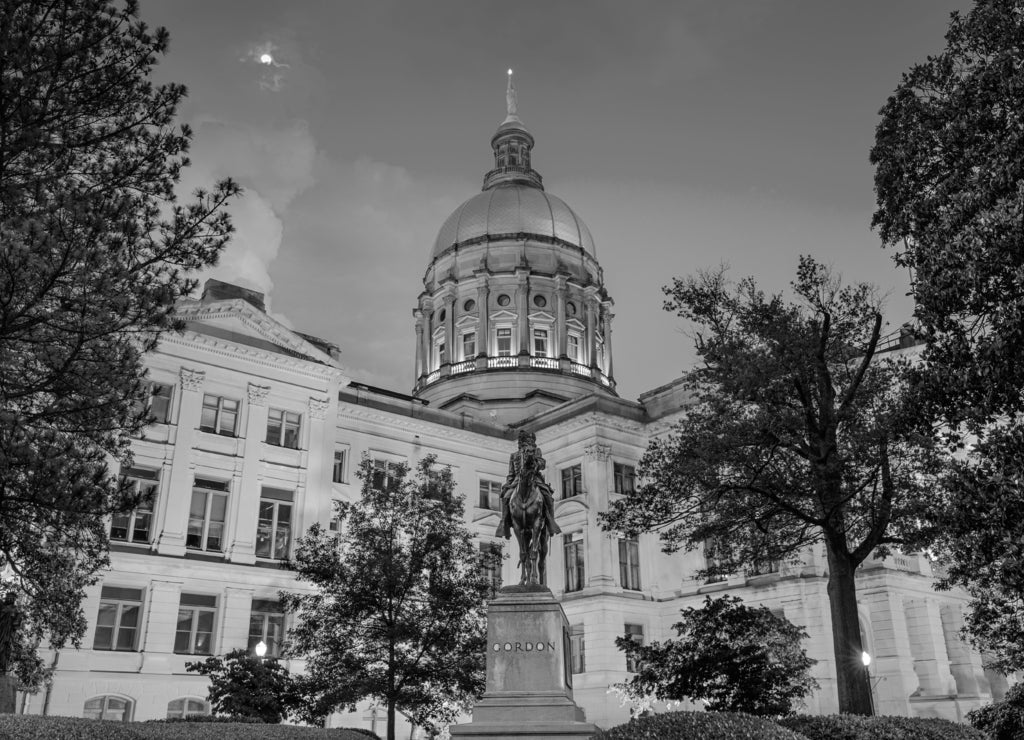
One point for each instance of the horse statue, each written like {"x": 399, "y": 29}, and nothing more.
{"x": 527, "y": 506}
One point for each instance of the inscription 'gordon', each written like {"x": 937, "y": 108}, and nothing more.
{"x": 522, "y": 647}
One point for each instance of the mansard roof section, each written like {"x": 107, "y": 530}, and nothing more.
{"x": 237, "y": 321}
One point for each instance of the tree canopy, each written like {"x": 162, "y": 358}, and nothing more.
{"x": 242, "y": 685}
{"x": 95, "y": 248}
{"x": 398, "y": 612}
{"x": 733, "y": 657}
{"x": 794, "y": 437}
{"x": 949, "y": 180}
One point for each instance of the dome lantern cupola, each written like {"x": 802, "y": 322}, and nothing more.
{"x": 514, "y": 318}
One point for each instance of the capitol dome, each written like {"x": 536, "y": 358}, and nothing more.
{"x": 514, "y": 210}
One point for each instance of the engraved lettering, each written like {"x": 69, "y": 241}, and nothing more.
{"x": 540, "y": 646}
{"x": 529, "y": 647}
{"x": 551, "y": 646}
{"x": 508, "y": 646}
{"x": 519, "y": 646}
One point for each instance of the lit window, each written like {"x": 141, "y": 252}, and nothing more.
{"x": 266, "y": 624}
{"x": 490, "y": 495}
{"x": 385, "y": 475}
{"x": 469, "y": 345}
{"x": 117, "y": 624}
{"x": 625, "y": 478}
{"x": 283, "y": 428}
{"x": 338, "y": 471}
{"x": 540, "y": 342}
{"x": 135, "y": 526}
{"x": 629, "y": 564}
{"x": 572, "y": 481}
{"x": 196, "y": 615}
{"x": 186, "y": 707}
{"x": 504, "y": 342}
{"x": 112, "y": 708}
{"x": 572, "y": 546}
{"x": 634, "y": 632}
{"x": 572, "y": 348}
{"x": 577, "y": 649}
{"x": 493, "y": 568}
{"x": 206, "y": 516}
{"x": 220, "y": 415}
{"x": 274, "y": 530}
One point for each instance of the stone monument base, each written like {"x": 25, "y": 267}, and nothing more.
{"x": 529, "y": 676}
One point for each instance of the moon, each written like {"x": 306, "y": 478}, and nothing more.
{"x": 266, "y": 59}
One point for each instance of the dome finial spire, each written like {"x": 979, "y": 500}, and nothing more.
{"x": 510, "y": 96}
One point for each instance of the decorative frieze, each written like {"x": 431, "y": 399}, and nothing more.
{"x": 597, "y": 451}
{"x": 192, "y": 380}
{"x": 318, "y": 407}
{"x": 258, "y": 394}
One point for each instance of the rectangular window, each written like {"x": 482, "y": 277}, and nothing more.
{"x": 494, "y": 568}
{"x": 274, "y": 529}
{"x": 469, "y": 345}
{"x": 196, "y": 615}
{"x": 334, "y": 524}
{"x": 572, "y": 546}
{"x": 220, "y": 415}
{"x": 384, "y": 475}
{"x": 629, "y": 564}
{"x": 206, "y": 516}
{"x": 572, "y": 481}
{"x": 283, "y": 428}
{"x": 490, "y": 495}
{"x": 540, "y": 342}
{"x": 714, "y": 559}
{"x": 572, "y": 348}
{"x": 441, "y": 357}
{"x": 266, "y": 625}
{"x": 504, "y": 342}
{"x": 117, "y": 624}
{"x": 338, "y": 471}
{"x": 577, "y": 649}
{"x": 136, "y": 525}
{"x": 634, "y": 632}
{"x": 625, "y": 478}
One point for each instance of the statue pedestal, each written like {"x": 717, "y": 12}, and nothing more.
{"x": 529, "y": 676}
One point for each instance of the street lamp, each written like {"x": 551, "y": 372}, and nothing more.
{"x": 261, "y": 650}
{"x": 865, "y": 658}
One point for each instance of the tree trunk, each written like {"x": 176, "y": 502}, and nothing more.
{"x": 391, "y": 719}
{"x": 852, "y": 679}
{"x": 8, "y": 693}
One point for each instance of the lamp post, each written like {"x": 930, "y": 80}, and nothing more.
{"x": 261, "y": 650}
{"x": 865, "y": 658}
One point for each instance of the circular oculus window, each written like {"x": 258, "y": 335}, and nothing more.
{"x": 469, "y": 305}
{"x": 504, "y": 300}
{"x": 440, "y": 316}
{"x": 540, "y": 301}
{"x": 570, "y": 307}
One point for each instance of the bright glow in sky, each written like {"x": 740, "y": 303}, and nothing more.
{"x": 684, "y": 134}
{"x": 266, "y": 59}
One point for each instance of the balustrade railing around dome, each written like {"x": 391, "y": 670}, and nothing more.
{"x": 512, "y": 362}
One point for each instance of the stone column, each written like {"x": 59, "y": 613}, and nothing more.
{"x": 322, "y": 418}
{"x": 601, "y": 548}
{"x": 164, "y": 597}
{"x": 560, "y": 328}
{"x": 449, "y": 327}
{"x": 892, "y": 658}
{"x": 522, "y": 310}
{"x": 418, "y": 315}
{"x": 590, "y": 306}
{"x": 608, "y": 316}
{"x": 427, "y": 307}
{"x": 483, "y": 338}
{"x": 965, "y": 664}
{"x": 236, "y": 607}
{"x": 243, "y": 505}
{"x": 173, "y": 507}
{"x": 931, "y": 663}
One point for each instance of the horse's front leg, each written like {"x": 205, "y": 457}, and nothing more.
{"x": 523, "y": 556}
{"x": 535, "y": 538}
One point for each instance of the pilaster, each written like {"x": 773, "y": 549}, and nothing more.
{"x": 522, "y": 309}
{"x": 483, "y": 340}
{"x": 600, "y": 563}
{"x": 236, "y": 606}
{"x": 244, "y": 501}
{"x": 173, "y": 507}
{"x": 928, "y": 647}
{"x": 560, "y": 328}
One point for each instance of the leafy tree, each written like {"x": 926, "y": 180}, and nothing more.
{"x": 734, "y": 657}
{"x": 398, "y": 614}
{"x": 94, "y": 250}
{"x": 242, "y": 685}
{"x": 949, "y": 179}
{"x": 793, "y": 438}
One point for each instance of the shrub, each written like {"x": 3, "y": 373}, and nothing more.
{"x": 30, "y": 727}
{"x": 855, "y": 727}
{"x": 1003, "y": 720}
{"x": 703, "y": 725}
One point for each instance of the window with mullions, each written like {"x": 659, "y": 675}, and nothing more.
{"x": 196, "y": 616}
{"x": 274, "y": 529}
{"x": 266, "y": 624}
{"x": 634, "y": 632}
{"x": 186, "y": 707}
{"x": 220, "y": 415}
{"x": 112, "y": 708}
{"x": 629, "y": 564}
{"x": 338, "y": 471}
{"x": 135, "y": 526}
{"x": 540, "y": 342}
{"x": 572, "y": 546}
{"x": 206, "y": 516}
{"x": 117, "y": 624}
{"x": 572, "y": 481}
{"x": 625, "y": 478}
{"x": 572, "y": 347}
{"x": 469, "y": 345}
{"x": 577, "y": 649}
{"x": 504, "y": 337}
{"x": 490, "y": 495}
{"x": 157, "y": 402}
{"x": 384, "y": 477}
{"x": 283, "y": 428}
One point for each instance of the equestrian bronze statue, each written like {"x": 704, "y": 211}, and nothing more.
{"x": 528, "y": 508}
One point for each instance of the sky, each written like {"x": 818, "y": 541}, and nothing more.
{"x": 685, "y": 133}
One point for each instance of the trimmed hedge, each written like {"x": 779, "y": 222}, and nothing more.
{"x": 703, "y": 725}
{"x": 856, "y": 727}
{"x": 31, "y": 727}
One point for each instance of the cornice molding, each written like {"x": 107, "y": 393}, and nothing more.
{"x": 405, "y": 422}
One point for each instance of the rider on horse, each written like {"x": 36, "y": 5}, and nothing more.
{"x": 526, "y": 461}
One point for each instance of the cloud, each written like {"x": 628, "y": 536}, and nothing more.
{"x": 273, "y": 165}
